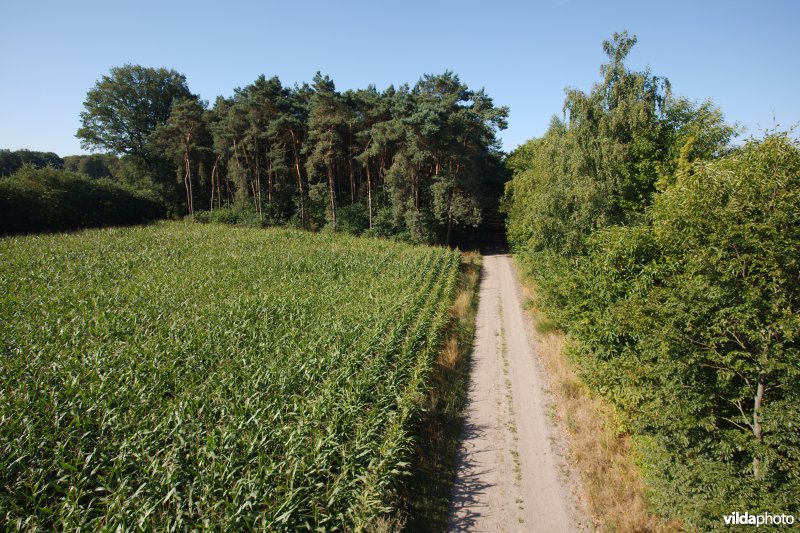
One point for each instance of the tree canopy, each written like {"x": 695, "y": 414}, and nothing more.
{"x": 600, "y": 164}
{"x": 126, "y": 106}
{"x": 420, "y": 162}
{"x": 669, "y": 256}
{"x": 12, "y": 161}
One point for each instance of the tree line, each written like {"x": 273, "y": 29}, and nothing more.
{"x": 669, "y": 255}
{"x": 420, "y": 162}
{"x": 12, "y": 161}
{"x": 94, "y": 166}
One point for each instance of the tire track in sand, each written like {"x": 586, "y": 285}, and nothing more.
{"x": 511, "y": 474}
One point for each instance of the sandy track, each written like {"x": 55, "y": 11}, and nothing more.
{"x": 511, "y": 475}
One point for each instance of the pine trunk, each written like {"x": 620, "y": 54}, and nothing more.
{"x": 350, "y": 165}
{"x": 213, "y": 175}
{"x": 369, "y": 194}
{"x": 331, "y": 184}
{"x": 187, "y": 177}
{"x": 299, "y": 178}
{"x": 269, "y": 179}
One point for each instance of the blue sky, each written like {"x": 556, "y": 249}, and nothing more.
{"x": 744, "y": 54}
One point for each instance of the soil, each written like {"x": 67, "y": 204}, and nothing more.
{"x": 512, "y": 473}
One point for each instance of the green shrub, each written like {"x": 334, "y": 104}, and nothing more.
{"x": 383, "y": 223}
{"x": 352, "y": 219}
{"x": 691, "y": 324}
{"x": 226, "y": 215}
{"x": 48, "y": 199}
{"x": 203, "y": 217}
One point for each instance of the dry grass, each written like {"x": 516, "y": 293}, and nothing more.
{"x": 464, "y": 298}
{"x": 599, "y": 448}
{"x": 450, "y": 353}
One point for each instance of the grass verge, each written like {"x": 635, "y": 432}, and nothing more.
{"x": 438, "y": 430}
{"x": 599, "y": 447}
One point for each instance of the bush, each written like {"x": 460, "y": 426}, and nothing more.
{"x": 383, "y": 223}
{"x": 232, "y": 216}
{"x": 203, "y": 217}
{"x": 690, "y": 323}
{"x": 226, "y": 215}
{"x": 251, "y": 220}
{"x": 49, "y": 199}
{"x": 420, "y": 228}
{"x": 352, "y": 219}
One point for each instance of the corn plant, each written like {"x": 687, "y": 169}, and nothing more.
{"x": 184, "y": 376}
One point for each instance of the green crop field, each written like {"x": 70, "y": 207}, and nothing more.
{"x": 179, "y": 376}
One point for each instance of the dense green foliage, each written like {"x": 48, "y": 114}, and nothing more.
{"x": 95, "y": 166}
{"x": 124, "y": 109}
{"x": 48, "y": 199}
{"x": 11, "y": 162}
{"x": 185, "y": 376}
{"x": 672, "y": 261}
{"x": 691, "y": 323}
{"x": 419, "y": 162}
{"x": 601, "y": 165}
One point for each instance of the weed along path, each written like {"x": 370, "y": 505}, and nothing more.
{"x": 511, "y": 475}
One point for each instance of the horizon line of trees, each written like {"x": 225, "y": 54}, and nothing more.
{"x": 419, "y": 162}
{"x": 94, "y": 166}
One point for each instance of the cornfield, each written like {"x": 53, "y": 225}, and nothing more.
{"x": 183, "y": 376}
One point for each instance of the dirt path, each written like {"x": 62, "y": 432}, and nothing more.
{"x": 511, "y": 475}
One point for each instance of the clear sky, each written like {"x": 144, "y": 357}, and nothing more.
{"x": 744, "y": 54}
